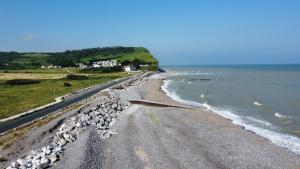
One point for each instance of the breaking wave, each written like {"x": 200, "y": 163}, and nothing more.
{"x": 287, "y": 141}
{"x": 257, "y": 103}
{"x": 281, "y": 116}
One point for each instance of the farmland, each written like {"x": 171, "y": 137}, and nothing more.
{"x": 20, "y": 98}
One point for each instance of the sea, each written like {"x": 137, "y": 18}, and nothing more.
{"x": 264, "y": 99}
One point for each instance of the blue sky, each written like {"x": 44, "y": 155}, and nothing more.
{"x": 176, "y": 32}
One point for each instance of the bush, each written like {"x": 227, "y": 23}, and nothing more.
{"x": 77, "y": 77}
{"x": 6, "y": 71}
{"x": 67, "y": 84}
{"x": 22, "y": 81}
{"x": 103, "y": 70}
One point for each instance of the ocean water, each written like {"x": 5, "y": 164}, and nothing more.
{"x": 264, "y": 99}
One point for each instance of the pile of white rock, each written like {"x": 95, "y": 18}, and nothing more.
{"x": 138, "y": 82}
{"x": 103, "y": 116}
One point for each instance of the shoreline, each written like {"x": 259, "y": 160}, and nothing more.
{"x": 236, "y": 120}
{"x": 236, "y": 138}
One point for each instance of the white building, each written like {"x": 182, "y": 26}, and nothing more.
{"x": 50, "y": 67}
{"x": 129, "y": 68}
{"x": 96, "y": 65}
{"x": 82, "y": 66}
{"x": 105, "y": 63}
{"x": 146, "y": 65}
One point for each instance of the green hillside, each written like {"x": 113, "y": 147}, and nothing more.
{"x": 69, "y": 58}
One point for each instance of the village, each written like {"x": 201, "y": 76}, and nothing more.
{"x": 103, "y": 64}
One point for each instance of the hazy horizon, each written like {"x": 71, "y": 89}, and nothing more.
{"x": 176, "y": 32}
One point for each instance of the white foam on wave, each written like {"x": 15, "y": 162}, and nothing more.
{"x": 287, "y": 141}
{"x": 175, "y": 73}
{"x": 202, "y": 96}
{"x": 280, "y": 115}
{"x": 262, "y": 122}
{"x": 257, "y": 103}
{"x": 187, "y": 73}
{"x": 164, "y": 88}
{"x": 160, "y": 75}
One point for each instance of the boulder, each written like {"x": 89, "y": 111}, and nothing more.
{"x": 78, "y": 124}
{"x": 29, "y": 165}
{"x": 35, "y": 162}
{"x": 75, "y": 132}
{"x": 62, "y": 142}
{"x": 66, "y": 136}
{"x": 73, "y": 118}
{"x": 97, "y": 119}
{"x": 43, "y": 165}
{"x": 101, "y": 121}
{"x": 41, "y": 154}
{"x": 44, "y": 160}
{"x": 14, "y": 164}
{"x": 113, "y": 121}
{"x": 10, "y": 167}
{"x": 58, "y": 151}
{"x": 108, "y": 119}
{"x": 50, "y": 147}
{"x": 28, "y": 158}
{"x": 53, "y": 158}
{"x": 62, "y": 127}
{"x": 46, "y": 150}
{"x": 106, "y": 124}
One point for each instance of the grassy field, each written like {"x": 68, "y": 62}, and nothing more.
{"x": 17, "y": 99}
{"x": 43, "y": 71}
{"x": 30, "y": 59}
{"x": 9, "y": 76}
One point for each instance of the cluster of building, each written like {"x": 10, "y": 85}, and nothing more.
{"x": 99, "y": 64}
{"x": 108, "y": 63}
{"x": 50, "y": 67}
{"x": 105, "y": 63}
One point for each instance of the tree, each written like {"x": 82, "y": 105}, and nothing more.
{"x": 125, "y": 62}
{"x": 136, "y": 63}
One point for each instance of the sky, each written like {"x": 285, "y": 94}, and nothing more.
{"x": 177, "y": 32}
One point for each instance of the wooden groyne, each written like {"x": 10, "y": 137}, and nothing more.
{"x": 156, "y": 104}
